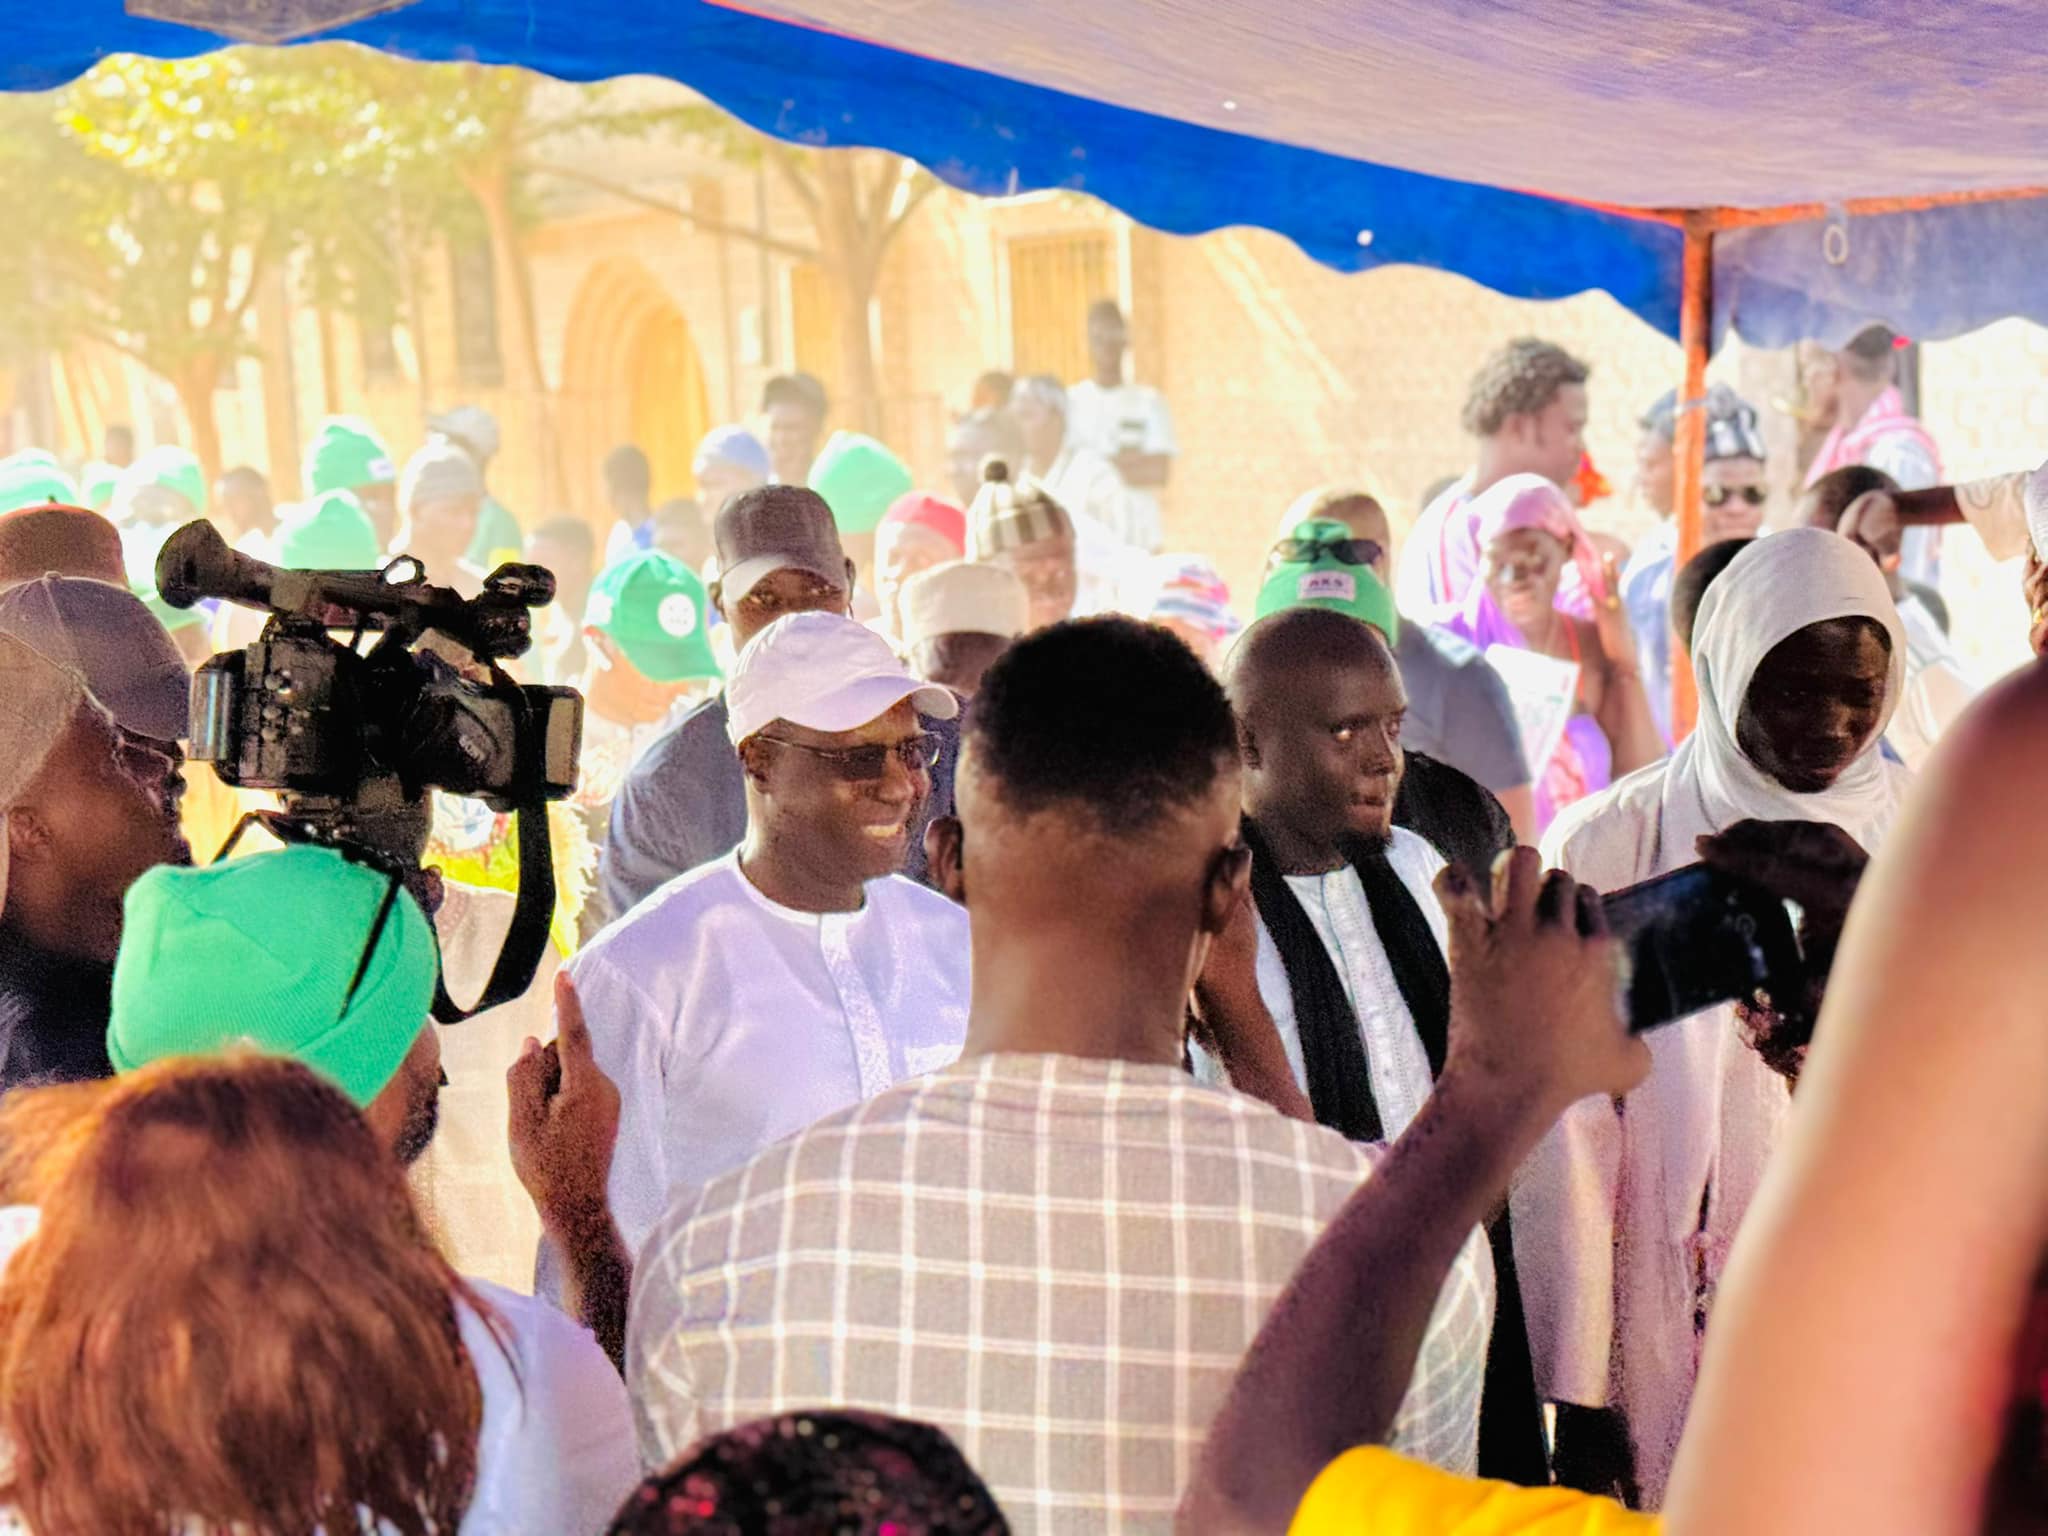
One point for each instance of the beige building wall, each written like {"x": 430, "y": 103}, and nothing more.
{"x": 1281, "y": 374}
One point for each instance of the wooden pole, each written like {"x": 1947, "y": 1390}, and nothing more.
{"x": 1689, "y": 446}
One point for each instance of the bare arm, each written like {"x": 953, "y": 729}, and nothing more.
{"x": 1520, "y": 804}
{"x": 1233, "y": 1024}
{"x": 1534, "y": 1027}
{"x": 1145, "y": 470}
{"x": 1863, "y": 1341}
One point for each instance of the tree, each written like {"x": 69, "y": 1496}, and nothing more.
{"x": 857, "y": 201}
{"x": 163, "y": 194}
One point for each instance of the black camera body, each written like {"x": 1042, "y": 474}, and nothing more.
{"x": 354, "y": 741}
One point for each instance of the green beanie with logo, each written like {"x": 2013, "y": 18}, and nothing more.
{"x": 859, "y": 479}
{"x": 1321, "y": 580}
{"x": 345, "y": 453}
{"x": 653, "y": 608}
{"x": 331, "y": 533}
{"x": 263, "y": 951}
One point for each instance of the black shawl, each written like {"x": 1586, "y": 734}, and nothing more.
{"x": 1340, "y": 1088}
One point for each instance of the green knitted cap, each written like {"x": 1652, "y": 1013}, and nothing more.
{"x": 165, "y": 468}
{"x": 1327, "y": 582}
{"x": 345, "y": 453}
{"x": 27, "y": 481}
{"x": 261, "y": 951}
{"x": 333, "y": 533}
{"x": 97, "y": 483}
{"x": 859, "y": 479}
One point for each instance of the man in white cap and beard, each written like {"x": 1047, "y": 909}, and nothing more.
{"x": 800, "y": 973}
{"x": 85, "y": 808}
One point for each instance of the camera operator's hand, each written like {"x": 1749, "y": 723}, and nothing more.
{"x": 1536, "y": 1021}
{"x": 1818, "y": 866}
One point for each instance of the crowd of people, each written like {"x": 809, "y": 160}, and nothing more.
{"x": 1024, "y": 1046}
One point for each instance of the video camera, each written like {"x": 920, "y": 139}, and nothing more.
{"x": 353, "y": 741}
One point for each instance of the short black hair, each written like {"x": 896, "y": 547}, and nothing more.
{"x": 625, "y": 469}
{"x": 1689, "y": 586}
{"x": 1106, "y": 715}
{"x": 1870, "y": 352}
{"x": 570, "y": 531}
{"x": 801, "y": 389}
{"x": 1105, "y": 309}
{"x": 1829, "y": 497}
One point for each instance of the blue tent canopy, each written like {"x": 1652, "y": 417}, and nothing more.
{"x": 1369, "y": 135}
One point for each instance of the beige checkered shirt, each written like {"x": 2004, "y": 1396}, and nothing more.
{"x": 1057, "y": 1261}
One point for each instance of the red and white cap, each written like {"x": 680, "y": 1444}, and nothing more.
{"x": 825, "y": 672}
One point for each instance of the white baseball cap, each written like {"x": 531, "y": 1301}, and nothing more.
{"x": 825, "y": 672}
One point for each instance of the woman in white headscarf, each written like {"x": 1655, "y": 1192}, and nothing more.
{"x": 1799, "y": 657}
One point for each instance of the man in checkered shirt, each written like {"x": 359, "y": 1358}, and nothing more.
{"x": 1057, "y": 1249}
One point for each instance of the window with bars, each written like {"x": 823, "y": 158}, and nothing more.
{"x": 1053, "y": 280}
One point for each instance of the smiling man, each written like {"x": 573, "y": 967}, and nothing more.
{"x": 799, "y": 974}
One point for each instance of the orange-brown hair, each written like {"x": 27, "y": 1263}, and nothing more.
{"x": 230, "y": 1315}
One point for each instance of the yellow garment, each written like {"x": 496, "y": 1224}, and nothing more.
{"x": 1374, "y": 1492}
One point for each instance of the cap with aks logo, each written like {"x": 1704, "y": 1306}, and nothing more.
{"x": 652, "y": 607}
{"x": 1324, "y": 581}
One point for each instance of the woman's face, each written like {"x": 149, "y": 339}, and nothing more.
{"x": 1816, "y": 703}
{"x": 1522, "y": 571}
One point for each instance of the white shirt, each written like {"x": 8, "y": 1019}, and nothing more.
{"x": 729, "y": 1022}
{"x": 1395, "y": 1060}
{"x": 555, "y": 1453}
{"x": 1093, "y": 494}
{"x": 1131, "y": 418}
{"x": 1059, "y": 1262}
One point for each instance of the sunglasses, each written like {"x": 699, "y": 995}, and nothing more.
{"x": 863, "y": 765}
{"x": 1343, "y": 551}
{"x": 1721, "y": 495}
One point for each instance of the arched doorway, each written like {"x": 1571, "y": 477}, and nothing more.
{"x": 630, "y": 373}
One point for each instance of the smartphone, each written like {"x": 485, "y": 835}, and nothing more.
{"x": 1697, "y": 937}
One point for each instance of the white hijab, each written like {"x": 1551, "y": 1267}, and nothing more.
{"x": 1769, "y": 592}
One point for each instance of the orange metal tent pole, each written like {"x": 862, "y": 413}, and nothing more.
{"x": 1689, "y": 446}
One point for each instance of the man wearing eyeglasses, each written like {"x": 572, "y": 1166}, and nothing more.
{"x": 800, "y": 973}
{"x": 683, "y": 803}
{"x": 1733, "y": 492}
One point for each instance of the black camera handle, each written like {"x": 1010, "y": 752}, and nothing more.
{"x": 533, "y": 907}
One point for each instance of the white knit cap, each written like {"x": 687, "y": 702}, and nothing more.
{"x": 960, "y": 597}
{"x": 439, "y": 470}
{"x": 38, "y": 699}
